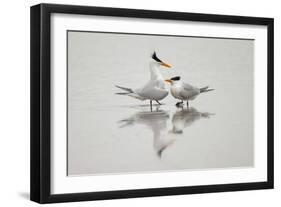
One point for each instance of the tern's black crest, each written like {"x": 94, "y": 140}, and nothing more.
{"x": 176, "y": 78}
{"x": 154, "y": 57}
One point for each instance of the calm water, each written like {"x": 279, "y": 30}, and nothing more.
{"x": 117, "y": 134}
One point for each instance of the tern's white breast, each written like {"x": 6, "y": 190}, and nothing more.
{"x": 175, "y": 91}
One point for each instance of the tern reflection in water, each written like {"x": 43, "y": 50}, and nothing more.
{"x": 157, "y": 123}
{"x": 185, "y": 117}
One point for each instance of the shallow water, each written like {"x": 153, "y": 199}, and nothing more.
{"x": 130, "y": 138}
{"x": 108, "y": 133}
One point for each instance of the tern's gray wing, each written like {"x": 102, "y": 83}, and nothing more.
{"x": 155, "y": 84}
{"x": 189, "y": 91}
{"x": 189, "y": 87}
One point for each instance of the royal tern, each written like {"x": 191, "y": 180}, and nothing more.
{"x": 184, "y": 91}
{"x": 155, "y": 89}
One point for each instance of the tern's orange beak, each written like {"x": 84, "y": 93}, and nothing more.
{"x": 168, "y": 80}
{"x": 165, "y": 64}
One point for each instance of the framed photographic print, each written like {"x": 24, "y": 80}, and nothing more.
{"x": 133, "y": 103}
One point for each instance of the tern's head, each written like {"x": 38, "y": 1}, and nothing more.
{"x": 159, "y": 62}
{"x": 173, "y": 80}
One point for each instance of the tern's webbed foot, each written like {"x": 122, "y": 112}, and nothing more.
{"x": 179, "y": 104}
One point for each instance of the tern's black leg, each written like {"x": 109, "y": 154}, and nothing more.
{"x": 157, "y": 108}
{"x": 151, "y": 105}
{"x": 158, "y": 102}
{"x": 187, "y": 103}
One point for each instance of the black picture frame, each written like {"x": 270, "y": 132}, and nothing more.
{"x": 40, "y": 180}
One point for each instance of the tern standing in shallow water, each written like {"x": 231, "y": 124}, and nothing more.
{"x": 155, "y": 89}
{"x": 184, "y": 91}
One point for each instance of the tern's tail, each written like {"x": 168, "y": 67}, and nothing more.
{"x": 129, "y": 92}
{"x": 206, "y": 89}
